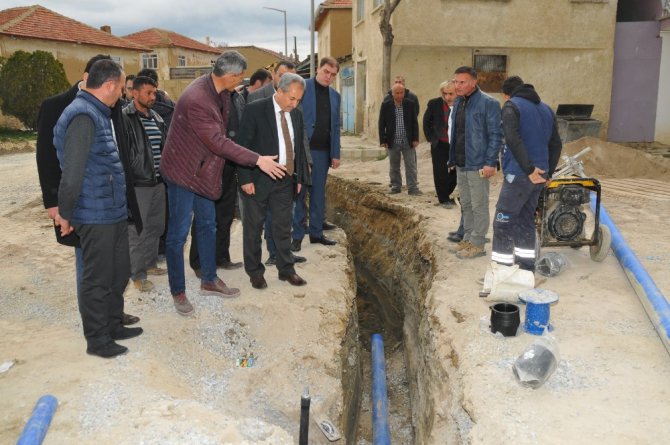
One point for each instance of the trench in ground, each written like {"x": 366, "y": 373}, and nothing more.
{"x": 394, "y": 269}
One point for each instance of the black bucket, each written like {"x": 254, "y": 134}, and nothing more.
{"x": 505, "y": 319}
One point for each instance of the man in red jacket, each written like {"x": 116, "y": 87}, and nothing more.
{"x": 192, "y": 164}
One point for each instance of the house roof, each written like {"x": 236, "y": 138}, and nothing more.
{"x": 279, "y": 56}
{"x": 38, "y": 22}
{"x": 161, "y": 38}
{"x": 323, "y": 8}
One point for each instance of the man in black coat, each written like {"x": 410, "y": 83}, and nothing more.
{"x": 399, "y": 133}
{"x": 49, "y": 172}
{"x": 273, "y": 126}
{"x": 436, "y": 129}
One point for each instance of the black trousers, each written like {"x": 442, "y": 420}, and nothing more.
{"x": 280, "y": 203}
{"x": 225, "y": 212}
{"x": 445, "y": 180}
{"x": 106, "y": 271}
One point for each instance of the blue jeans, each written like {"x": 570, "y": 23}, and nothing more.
{"x": 317, "y": 198}
{"x": 184, "y": 204}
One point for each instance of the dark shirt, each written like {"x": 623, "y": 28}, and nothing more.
{"x": 321, "y": 136}
{"x": 459, "y": 133}
{"x": 445, "y": 131}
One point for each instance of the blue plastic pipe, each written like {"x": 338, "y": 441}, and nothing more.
{"x": 380, "y": 404}
{"x": 653, "y": 301}
{"x": 38, "y": 424}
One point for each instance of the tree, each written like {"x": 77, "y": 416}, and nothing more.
{"x": 387, "y": 34}
{"x": 26, "y": 79}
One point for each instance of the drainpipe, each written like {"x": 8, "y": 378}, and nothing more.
{"x": 38, "y": 424}
{"x": 653, "y": 301}
{"x": 380, "y": 405}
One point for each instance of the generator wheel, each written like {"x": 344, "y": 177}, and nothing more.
{"x": 600, "y": 250}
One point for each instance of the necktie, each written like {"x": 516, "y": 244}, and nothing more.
{"x": 287, "y": 141}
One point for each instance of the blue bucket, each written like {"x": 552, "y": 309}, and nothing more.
{"x": 538, "y": 302}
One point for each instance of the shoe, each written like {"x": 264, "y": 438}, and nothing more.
{"x": 218, "y": 288}
{"x": 454, "y": 237}
{"x": 463, "y": 244}
{"x": 229, "y": 265}
{"x": 156, "y": 271}
{"x": 108, "y": 350}
{"x": 394, "y": 191}
{"x": 296, "y": 245}
{"x": 181, "y": 303}
{"x": 298, "y": 258}
{"x": 198, "y": 273}
{"x": 470, "y": 252}
{"x": 143, "y": 285}
{"x": 272, "y": 261}
{"x": 328, "y": 226}
{"x": 293, "y": 279}
{"x": 258, "y": 282}
{"x": 416, "y": 192}
{"x": 322, "y": 240}
{"x": 128, "y": 319}
{"x": 126, "y": 333}
{"x": 448, "y": 204}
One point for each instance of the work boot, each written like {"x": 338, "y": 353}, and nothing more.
{"x": 462, "y": 244}
{"x": 143, "y": 285}
{"x": 470, "y": 252}
{"x": 156, "y": 271}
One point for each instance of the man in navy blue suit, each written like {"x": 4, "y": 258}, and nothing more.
{"x": 321, "y": 108}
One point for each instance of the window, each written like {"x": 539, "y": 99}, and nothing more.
{"x": 181, "y": 60}
{"x": 150, "y": 61}
{"x": 118, "y": 60}
{"x": 360, "y": 10}
{"x": 491, "y": 71}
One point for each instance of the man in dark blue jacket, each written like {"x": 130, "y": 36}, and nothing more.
{"x": 92, "y": 202}
{"x": 531, "y": 152}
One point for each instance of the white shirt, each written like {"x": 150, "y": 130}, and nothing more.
{"x": 282, "y": 145}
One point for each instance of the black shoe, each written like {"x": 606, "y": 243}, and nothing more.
{"x": 294, "y": 279}
{"x": 322, "y": 240}
{"x": 229, "y": 265}
{"x": 128, "y": 319}
{"x": 298, "y": 258}
{"x": 126, "y": 333}
{"x": 394, "y": 191}
{"x": 271, "y": 261}
{"x": 258, "y": 282}
{"x": 108, "y": 350}
{"x": 296, "y": 245}
{"x": 455, "y": 237}
{"x": 328, "y": 226}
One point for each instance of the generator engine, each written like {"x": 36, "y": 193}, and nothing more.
{"x": 565, "y": 221}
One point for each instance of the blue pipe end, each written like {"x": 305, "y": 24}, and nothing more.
{"x": 38, "y": 424}
{"x": 381, "y": 434}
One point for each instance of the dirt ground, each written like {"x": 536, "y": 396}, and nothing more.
{"x": 180, "y": 383}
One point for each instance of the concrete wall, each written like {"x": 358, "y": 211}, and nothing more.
{"x": 335, "y": 34}
{"x": 73, "y": 56}
{"x": 663, "y": 111}
{"x": 169, "y": 57}
{"x": 635, "y": 82}
{"x": 565, "y": 48}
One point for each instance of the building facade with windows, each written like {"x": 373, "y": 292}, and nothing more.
{"x": 563, "y": 47}
{"x": 177, "y": 59}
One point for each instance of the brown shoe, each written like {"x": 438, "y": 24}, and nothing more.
{"x": 471, "y": 252}
{"x": 218, "y": 288}
{"x": 258, "y": 282}
{"x": 293, "y": 279}
{"x": 462, "y": 245}
{"x": 182, "y": 305}
{"x": 156, "y": 271}
{"x": 143, "y": 285}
